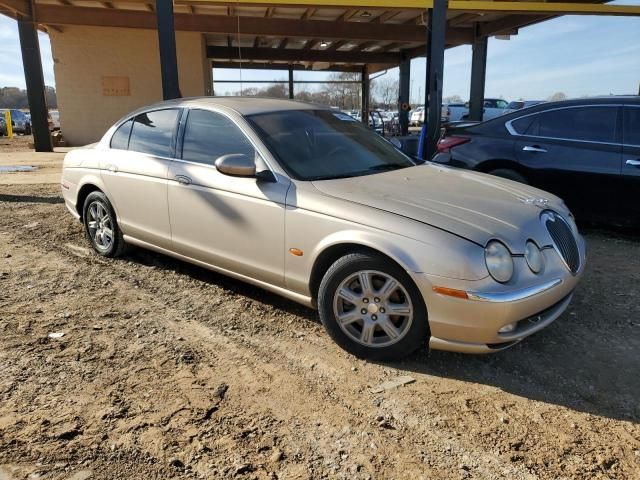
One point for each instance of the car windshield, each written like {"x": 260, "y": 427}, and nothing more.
{"x": 322, "y": 145}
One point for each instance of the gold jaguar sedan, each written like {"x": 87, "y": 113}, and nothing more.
{"x": 308, "y": 203}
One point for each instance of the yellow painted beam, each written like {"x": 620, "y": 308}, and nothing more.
{"x": 543, "y": 7}
{"x": 361, "y": 4}
{"x": 481, "y": 6}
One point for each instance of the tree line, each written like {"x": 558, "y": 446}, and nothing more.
{"x": 13, "y": 97}
{"x": 345, "y": 93}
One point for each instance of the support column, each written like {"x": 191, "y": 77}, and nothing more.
{"x": 291, "y": 92}
{"x": 365, "y": 95}
{"x": 403, "y": 95}
{"x": 34, "y": 79}
{"x": 167, "y": 47}
{"x": 478, "y": 77}
{"x": 436, "y": 32}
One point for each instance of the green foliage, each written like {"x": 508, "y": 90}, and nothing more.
{"x": 13, "y": 97}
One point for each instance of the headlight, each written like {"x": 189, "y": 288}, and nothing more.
{"x": 498, "y": 260}
{"x": 533, "y": 256}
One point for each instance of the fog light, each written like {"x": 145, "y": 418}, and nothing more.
{"x": 508, "y": 328}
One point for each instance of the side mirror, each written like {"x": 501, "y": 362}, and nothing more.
{"x": 236, "y": 165}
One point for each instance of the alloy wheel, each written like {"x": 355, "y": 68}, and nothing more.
{"x": 100, "y": 225}
{"x": 373, "y": 308}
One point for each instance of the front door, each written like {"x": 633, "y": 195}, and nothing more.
{"x": 135, "y": 174}
{"x": 234, "y": 223}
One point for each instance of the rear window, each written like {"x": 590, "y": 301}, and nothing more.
{"x": 521, "y": 125}
{"x": 152, "y": 132}
{"x": 120, "y": 138}
{"x": 515, "y": 105}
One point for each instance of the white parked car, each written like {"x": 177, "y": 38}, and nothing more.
{"x": 417, "y": 117}
{"x": 493, "y": 107}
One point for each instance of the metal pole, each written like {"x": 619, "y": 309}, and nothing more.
{"x": 365, "y": 95}
{"x": 35, "y": 82}
{"x": 291, "y": 92}
{"x": 436, "y": 33}
{"x": 167, "y": 47}
{"x": 478, "y": 77}
{"x": 403, "y": 96}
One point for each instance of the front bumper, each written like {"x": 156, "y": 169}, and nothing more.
{"x": 471, "y": 325}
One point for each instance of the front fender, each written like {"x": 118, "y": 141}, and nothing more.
{"x": 437, "y": 253}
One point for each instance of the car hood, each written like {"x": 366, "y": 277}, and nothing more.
{"x": 472, "y": 205}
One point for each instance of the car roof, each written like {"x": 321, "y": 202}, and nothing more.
{"x": 242, "y": 105}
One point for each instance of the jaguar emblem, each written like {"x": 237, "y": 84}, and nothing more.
{"x": 537, "y": 201}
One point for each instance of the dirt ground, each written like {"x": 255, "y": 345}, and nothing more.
{"x": 17, "y": 143}
{"x": 165, "y": 370}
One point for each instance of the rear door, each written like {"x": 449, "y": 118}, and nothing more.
{"x": 135, "y": 173}
{"x": 575, "y": 153}
{"x": 630, "y": 205}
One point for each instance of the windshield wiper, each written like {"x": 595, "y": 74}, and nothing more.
{"x": 375, "y": 169}
{"x": 385, "y": 167}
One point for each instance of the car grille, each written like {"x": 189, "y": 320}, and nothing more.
{"x": 563, "y": 239}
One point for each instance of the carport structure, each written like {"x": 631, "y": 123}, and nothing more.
{"x": 365, "y": 36}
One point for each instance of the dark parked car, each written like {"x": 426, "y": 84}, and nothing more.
{"x": 19, "y": 122}
{"x": 586, "y": 151}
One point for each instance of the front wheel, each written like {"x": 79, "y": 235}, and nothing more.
{"x": 372, "y": 308}
{"x": 101, "y": 225}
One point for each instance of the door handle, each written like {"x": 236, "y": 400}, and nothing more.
{"x": 183, "y": 180}
{"x": 112, "y": 168}
{"x": 633, "y": 163}
{"x": 533, "y": 148}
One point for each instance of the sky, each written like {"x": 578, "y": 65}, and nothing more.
{"x": 577, "y": 55}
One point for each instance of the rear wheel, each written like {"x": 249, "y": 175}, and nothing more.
{"x": 509, "y": 175}
{"x": 372, "y": 308}
{"x": 101, "y": 225}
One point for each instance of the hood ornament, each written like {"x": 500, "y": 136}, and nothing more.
{"x": 536, "y": 201}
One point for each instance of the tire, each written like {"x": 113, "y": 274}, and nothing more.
{"x": 101, "y": 226}
{"x": 410, "y": 326}
{"x": 509, "y": 175}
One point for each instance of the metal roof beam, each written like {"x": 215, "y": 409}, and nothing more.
{"x": 283, "y": 66}
{"x": 482, "y": 6}
{"x": 273, "y": 54}
{"x": 258, "y": 26}
{"x": 20, "y": 7}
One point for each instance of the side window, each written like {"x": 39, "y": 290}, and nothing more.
{"x": 502, "y": 104}
{"x": 153, "y": 131}
{"x": 120, "y": 138}
{"x": 632, "y": 126}
{"x": 523, "y": 125}
{"x": 596, "y": 124}
{"x": 209, "y": 135}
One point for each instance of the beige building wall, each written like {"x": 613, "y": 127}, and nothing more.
{"x": 93, "y": 66}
